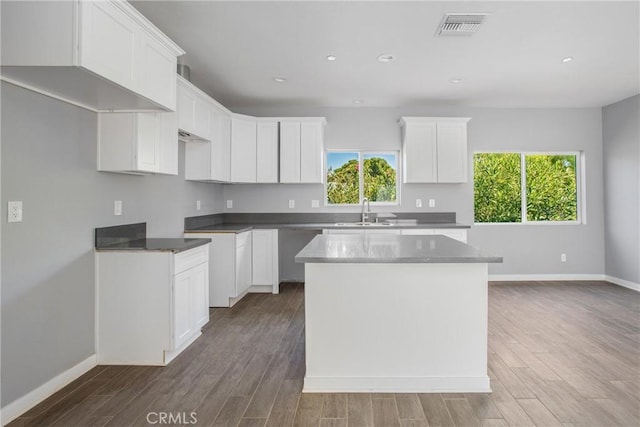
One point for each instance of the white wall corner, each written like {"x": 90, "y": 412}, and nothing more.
{"x": 21, "y": 405}
{"x": 623, "y": 283}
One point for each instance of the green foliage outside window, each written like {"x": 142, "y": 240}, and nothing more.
{"x": 379, "y": 181}
{"x": 550, "y": 183}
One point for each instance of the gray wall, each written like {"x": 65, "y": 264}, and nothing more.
{"x": 527, "y": 249}
{"x": 621, "y": 140}
{"x": 49, "y": 162}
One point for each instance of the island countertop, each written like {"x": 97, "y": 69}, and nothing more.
{"x": 390, "y": 248}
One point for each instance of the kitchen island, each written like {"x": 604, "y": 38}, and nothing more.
{"x": 395, "y": 313}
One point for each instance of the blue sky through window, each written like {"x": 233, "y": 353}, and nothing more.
{"x": 337, "y": 159}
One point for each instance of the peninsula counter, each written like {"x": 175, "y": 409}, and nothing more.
{"x": 395, "y": 313}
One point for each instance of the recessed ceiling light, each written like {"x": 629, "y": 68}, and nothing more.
{"x": 386, "y": 57}
{"x": 567, "y": 59}
{"x": 279, "y": 79}
{"x": 455, "y": 80}
{"x": 358, "y": 101}
{"x": 331, "y": 58}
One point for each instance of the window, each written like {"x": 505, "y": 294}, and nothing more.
{"x": 526, "y": 187}
{"x": 352, "y": 175}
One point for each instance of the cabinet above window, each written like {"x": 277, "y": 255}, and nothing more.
{"x": 101, "y": 55}
{"x": 434, "y": 149}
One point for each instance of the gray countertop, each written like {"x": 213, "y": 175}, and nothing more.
{"x": 390, "y": 248}
{"x": 155, "y": 244}
{"x": 239, "y": 228}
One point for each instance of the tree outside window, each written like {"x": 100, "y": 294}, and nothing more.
{"x": 526, "y": 187}
{"x": 354, "y": 175}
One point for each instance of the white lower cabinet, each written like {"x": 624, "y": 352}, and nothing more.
{"x": 264, "y": 260}
{"x": 240, "y": 263}
{"x": 150, "y": 305}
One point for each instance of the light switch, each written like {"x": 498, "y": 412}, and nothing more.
{"x": 315, "y": 203}
{"x": 292, "y": 204}
{"x": 418, "y": 203}
{"x": 198, "y": 205}
{"x": 14, "y": 211}
{"x": 117, "y": 207}
{"x": 432, "y": 203}
{"x": 229, "y": 204}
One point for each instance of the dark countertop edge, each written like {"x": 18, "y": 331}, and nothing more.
{"x": 240, "y": 228}
{"x": 415, "y": 260}
{"x": 185, "y": 245}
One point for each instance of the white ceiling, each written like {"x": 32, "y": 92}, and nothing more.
{"x": 235, "y": 48}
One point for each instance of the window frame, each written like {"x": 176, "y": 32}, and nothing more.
{"x": 361, "y": 155}
{"x": 581, "y": 217}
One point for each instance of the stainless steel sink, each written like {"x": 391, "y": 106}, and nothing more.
{"x": 363, "y": 224}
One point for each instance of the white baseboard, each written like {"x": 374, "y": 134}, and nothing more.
{"x": 542, "y": 277}
{"x": 397, "y": 384}
{"x": 21, "y": 405}
{"x": 623, "y": 283}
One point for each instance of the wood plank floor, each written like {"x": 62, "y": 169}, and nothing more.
{"x": 560, "y": 354}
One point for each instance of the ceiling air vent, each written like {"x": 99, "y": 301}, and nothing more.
{"x": 460, "y": 24}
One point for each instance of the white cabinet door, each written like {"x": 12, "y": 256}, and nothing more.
{"x": 420, "y": 152}
{"x": 200, "y": 294}
{"x": 108, "y": 44}
{"x": 183, "y": 325}
{"x": 264, "y": 259}
{"x": 267, "y": 152}
{"x": 289, "y": 151}
{"x": 311, "y": 152}
{"x": 148, "y": 142}
{"x": 186, "y": 105}
{"x": 194, "y": 113}
{"x": 243, "y": 262}
{"x": 202, "y": 118}
{"x": 155, "y": 68}
{"x": 243, "y": 149}
{"x": 452, "y": 152}
{"x": 221, "y": 150}
{"x": 168, "y": 143}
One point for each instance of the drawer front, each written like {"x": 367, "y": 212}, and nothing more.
{"x": 417, "y": 231}
{"x": 187, "y": 259}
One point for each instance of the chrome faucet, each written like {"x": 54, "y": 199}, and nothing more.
{"x": 365, "y": 214}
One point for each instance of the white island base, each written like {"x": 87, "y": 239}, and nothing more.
{"x": 396, "y": 327}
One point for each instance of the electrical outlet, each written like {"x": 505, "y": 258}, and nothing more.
{"x": 432, "y": 203}
{"x": 315, "y": 203}
{"x": 292, "y": 204}
{"x": 418, "y": 203}
{"x": 563, "y": 257}
{"x": 14, "y": 211}
{"x": 229, "y": 204}
{"x": 117, "y": 207}
{"x": 198, "y": 205}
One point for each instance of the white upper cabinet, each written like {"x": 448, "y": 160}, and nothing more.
{"x": 243, "y": 148}
{"x": 267, "y": 151}
{"x": 211, "y": 161}
{"x": 103, "y": 55}
{"x": 301, "y": 150}
{"x": 434, "y": 149}
{"x": 194, "y": 112}
{"x": 138, "y": 143}
{"x": 289, "y": 151}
